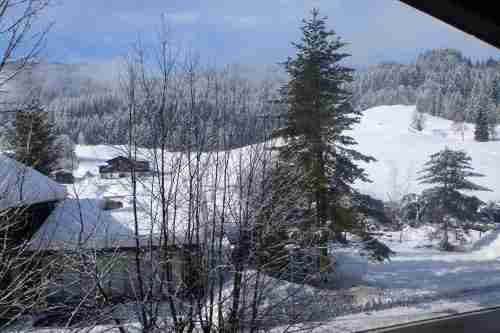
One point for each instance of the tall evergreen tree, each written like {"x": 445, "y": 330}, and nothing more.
{"x": 448, "y": 170}
{"x": 319, "y": 112}
{"x": 34, "y": 139}
{"x": 481, "y": 131}
{"x": 495, "y": 90}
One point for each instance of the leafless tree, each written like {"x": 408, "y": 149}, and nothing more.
{"x": 21, "y": 45}
{"x": 459, "y": 126}
{"x": 399, "y": 188}
{"x": 24, "y": 277}
{"x": 418, "y": 120}
{"x": 210, "y": 245}
{"x": 23, "y": 280}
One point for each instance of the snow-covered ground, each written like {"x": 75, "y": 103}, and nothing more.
{"x": 385, "y": 133}
{"x": 419, "y": 280}
{"x": 462, "y": 303}
{"x": 419, "y": 271}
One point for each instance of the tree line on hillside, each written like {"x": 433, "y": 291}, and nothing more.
{"x": 441, "y": 83}
{"x": 94, "y": 113}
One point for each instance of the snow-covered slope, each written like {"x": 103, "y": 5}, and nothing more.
{"x": 385, "y": 133}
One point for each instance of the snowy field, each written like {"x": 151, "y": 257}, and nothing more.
{"x": 401, "y": 151}
{"x": 385, "y": 134}
{"x": 419, "y": 281}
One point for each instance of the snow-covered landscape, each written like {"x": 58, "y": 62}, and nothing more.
{"x": 401, "y": 151}
{"x": 418, "y": 273}
{"x": 243, "y": 168}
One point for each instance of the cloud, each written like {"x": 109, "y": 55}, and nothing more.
{"x": 257, "y": 31}
{"x": 186, "y": 17}
{"x": 245, "y": 21}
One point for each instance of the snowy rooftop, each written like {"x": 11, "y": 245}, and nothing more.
{"x": 21, "y": 185}
{"x": 82, "y": 223}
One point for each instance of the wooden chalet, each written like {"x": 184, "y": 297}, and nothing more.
{"x": 121, "y": 166}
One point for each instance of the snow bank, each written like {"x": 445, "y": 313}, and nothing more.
{"x": 488, "y": 248}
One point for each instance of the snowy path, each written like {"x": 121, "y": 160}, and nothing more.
{"x": 420, "y": 284}
{"x": 423, "y": 271}
{"x": 433, "y": 275}
{"x": 470, "y": 301}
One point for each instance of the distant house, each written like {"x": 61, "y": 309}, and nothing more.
{"x": 121, "y": 166}
{"x": 63, "y": 176}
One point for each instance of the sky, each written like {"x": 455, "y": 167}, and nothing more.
{"x": 250, "y": 32}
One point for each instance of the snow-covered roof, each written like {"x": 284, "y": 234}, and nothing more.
{"x": 100, "y": 153}
{"x": 21, "y": 185}
{"x": 82, "y": 223}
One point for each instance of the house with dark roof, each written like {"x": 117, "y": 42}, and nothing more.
{"x": 121, "y": 166}
{"x": 63, "y": 176}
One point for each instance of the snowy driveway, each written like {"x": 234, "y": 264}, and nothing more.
{"x": 424, "y": 271}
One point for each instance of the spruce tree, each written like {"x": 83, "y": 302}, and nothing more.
{"x": 318, "y": 114}
{"x": 34, "y": 139}
{"x": 481, "y": 132}
{"x": 448, "y": 170}
{"x": 495, "y": 90}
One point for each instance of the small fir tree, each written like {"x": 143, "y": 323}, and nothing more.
{"x": 495, "y": 90}
{"x": 481, "y": 131}
{"x": 448, "y": 170}
{"x": 34, "y": 139}
{"x": 493, "y": 120}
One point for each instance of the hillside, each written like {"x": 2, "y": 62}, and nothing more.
{"x": 385, "y": 133}
{"x": 91, "y": 109}
{"x": 441, "y": 82}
